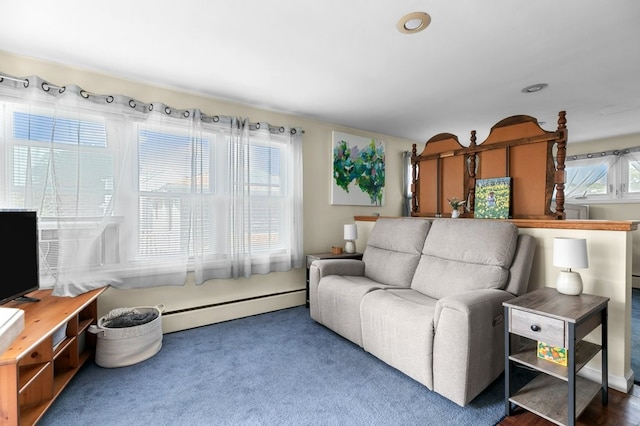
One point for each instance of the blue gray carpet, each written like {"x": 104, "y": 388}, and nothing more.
{"x": 279, "y": 368}
{"x": 635, "y": 334}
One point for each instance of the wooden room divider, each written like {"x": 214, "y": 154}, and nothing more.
{"x": 516, "y": 148}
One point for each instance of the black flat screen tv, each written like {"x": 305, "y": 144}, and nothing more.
{"x": 19, "y": 254}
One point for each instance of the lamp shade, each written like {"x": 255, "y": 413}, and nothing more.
{"x": 350, "y": 232}
{"x": 570, "y": 253}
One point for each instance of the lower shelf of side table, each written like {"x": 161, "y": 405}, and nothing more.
{"x": 541, "y": 396}
{"x": 585, "y": 351}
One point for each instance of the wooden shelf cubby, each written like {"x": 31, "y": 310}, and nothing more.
{"x": 32, "y": 371}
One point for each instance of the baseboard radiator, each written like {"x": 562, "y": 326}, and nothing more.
{"x": 220, "y": 312}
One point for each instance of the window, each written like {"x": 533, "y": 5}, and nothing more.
{"x": 264, "y": 219}
{"x": 630, "y": 169}
{"x": 603, "y": 177}
{"x": 135, "y": 193}
{"x": 590, "y": 178}
{"x": 171, "y": 166}
{"x": 42, "y": 147}
{"x": 44, "y": 159}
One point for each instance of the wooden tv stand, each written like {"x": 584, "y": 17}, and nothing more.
{"x": 32, "y": 371}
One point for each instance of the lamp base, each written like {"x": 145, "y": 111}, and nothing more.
{"x": 349, "y": 246}
{"x": 569, "y": 282}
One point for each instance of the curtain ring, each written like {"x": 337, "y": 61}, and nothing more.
{"x": 281, "y": 129}
{"x": 167, "y": 110}
{"x": 186, "y": 114}
{"x": 216, "y": 118}
{"x": 45, "y": 86}
{"x": 132, "y": 103}
{"x": 84, "y": 94}
{"x": 62, "y": 89}
{"x": 109, "y": 99}
{"x": 293, "y": 131}
{"x": 26, "y": 82}
{"x": 257, "y": 126}
{"x": 150, "y": 107}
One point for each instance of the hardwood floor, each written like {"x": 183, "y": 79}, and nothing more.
{"x": 623, "y": 409}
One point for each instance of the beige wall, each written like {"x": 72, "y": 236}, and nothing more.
{"x": 604, "y": 144}
{"x": 322, "y": 221}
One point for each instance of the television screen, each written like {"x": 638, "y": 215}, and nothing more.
{"x": 19, "y": 253}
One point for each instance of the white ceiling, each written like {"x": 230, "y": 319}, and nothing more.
{"x": 344, "y": 62}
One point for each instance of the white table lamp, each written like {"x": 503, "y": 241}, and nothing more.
{"x": 570, "y": 253}
{"x": 350, "y": 235}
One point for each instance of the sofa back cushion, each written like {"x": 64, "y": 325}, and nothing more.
{"x": 465, "y": 254}
{"x": 393, "y": 250}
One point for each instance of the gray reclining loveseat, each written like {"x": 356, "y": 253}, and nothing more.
{"x": 426, "y": 298}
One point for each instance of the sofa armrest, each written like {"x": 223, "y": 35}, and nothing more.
{"x": 324, "y": 267}
{"x": 475, "y": 302}
{"x": 468, "y": 348}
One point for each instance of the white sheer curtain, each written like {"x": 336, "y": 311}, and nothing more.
{"x": 137, "y": 195}
{"x": 584, "y": 171}
{"x": 406, "y": 183}
{"x": 632, "y": 157}
{"x": 61, "y": 149}
{"x": 239, "y": 200}
{"x": 276, "y": 197}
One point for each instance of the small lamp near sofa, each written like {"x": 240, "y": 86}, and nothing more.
{"x": 570, "y": 253}
{"x": 350, "y": 235}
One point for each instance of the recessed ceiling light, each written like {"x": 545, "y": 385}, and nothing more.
{"x": 414, "y": 22}
{"x": 535, "y": 88}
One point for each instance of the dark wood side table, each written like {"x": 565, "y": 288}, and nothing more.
{"x": 319, "y": 256}
{"x": 557, "y": 320}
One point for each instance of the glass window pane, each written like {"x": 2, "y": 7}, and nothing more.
{"x": 167, "y": 162}
{"x": 162, "y": 224}
{"x": 634, "y": 176}
{"x": 40, "y": 128}
{"x": 264, "y": 171}
{"x": 67, "y": 182}
{"x": 171, "y": 166}
{"x": 587, "y": 180}
{"x": 265, "y": 224}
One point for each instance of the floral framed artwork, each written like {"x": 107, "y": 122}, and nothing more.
{"x": 358, "y": 170}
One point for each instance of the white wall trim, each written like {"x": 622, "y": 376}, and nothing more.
{"x": 183, "y": 320}
{"x": 619, "y": 383}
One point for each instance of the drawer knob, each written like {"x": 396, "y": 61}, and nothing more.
{"x": 535, "y": 327}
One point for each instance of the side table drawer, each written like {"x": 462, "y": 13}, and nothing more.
{"x": 538, "y": 327}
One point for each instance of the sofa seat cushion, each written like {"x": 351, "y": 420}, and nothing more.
{"x": 340, "y": 298}
{"x": 456, "y": 259}
{"x": 397, "y": 327}
{"x": 393, "y": 250}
